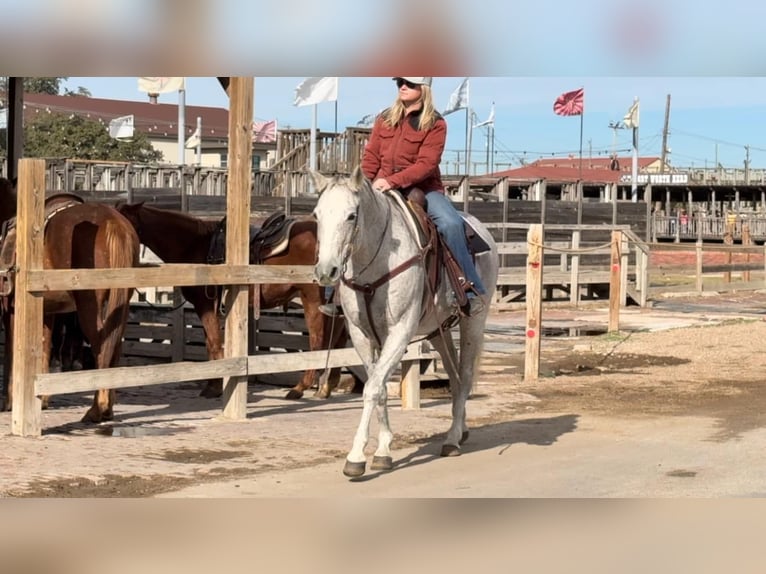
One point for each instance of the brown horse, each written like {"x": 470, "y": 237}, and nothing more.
{"x": 177, "y": 237}
{"x": 77, "y": 235}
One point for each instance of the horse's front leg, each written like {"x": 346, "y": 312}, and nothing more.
{"x": 375, "y": 396}
{"x": 206, "y": 308}
{"x": 48, "y": 324}
{"x": 318, "y": 327}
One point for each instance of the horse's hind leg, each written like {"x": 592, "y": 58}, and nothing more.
{"x": 458, "y": 432}
{"x": 48, "y": 326}
{"x": 106, "y": 350}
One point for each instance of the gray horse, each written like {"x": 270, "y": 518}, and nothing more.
{"x": 368, "y": 247}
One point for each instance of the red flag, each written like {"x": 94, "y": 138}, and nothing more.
{"x": 570, "y": 103}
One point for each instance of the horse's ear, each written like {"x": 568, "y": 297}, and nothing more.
{"x": 318, "y": 180}
{"x": 357, "y": 177}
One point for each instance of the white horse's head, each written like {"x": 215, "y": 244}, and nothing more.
{"x": 336, "y": 213}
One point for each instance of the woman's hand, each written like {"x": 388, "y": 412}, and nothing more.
{"x": 380, "y": 184}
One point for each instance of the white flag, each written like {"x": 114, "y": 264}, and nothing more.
{"x": 121, "y": 128}
{"x": 459, "y": 99}
{"x": 194, "y": 140}
{"x": 631, "y": 118}
{"x": 316, "y": 90}
{"x": 490, "y": 121}
{"x": 160, "y": 85}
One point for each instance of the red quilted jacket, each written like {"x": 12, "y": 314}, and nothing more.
{"x": 405, "y": 156}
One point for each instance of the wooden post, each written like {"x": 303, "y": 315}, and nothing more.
{"x": 574, "y": 278}
{"x": 410, "y": 385}
{"x": 698, "y": 272}
{"x": 503, "y": 192}
{"x": 615, "y": 287}
{"x": 648, "y": 200}
{"x": 747, "y": 240}
{"x": 241, "y": 93}
{"x": 534, "y": 302}
{"x": 624, "y": 265}
{"x": 14, "y": 121}
{"x": 728, "y": 239}
{"x": 764, "y": 263}
{"x": 26, "y": 419}
{"x": 642, "y": 273}
{"x": 182, "y": 184}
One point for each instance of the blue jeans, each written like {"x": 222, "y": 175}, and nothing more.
{"x": 449, "y": 223}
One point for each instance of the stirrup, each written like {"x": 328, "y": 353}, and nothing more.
{"x": 331, "y": 310}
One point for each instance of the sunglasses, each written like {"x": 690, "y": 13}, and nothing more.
{"x": 402, "y": 82}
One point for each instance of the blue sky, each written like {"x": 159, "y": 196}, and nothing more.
{"x": 710, "y": 117}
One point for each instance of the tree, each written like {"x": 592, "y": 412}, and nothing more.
{"x": 55, "y": 135}
{"x": 50, "y": 86}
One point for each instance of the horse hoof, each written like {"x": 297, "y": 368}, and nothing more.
{"x": 450, "y": 450}
{"x": 322, "y": 393}
{"x": 382, "y": 463}
{"x": 91, "y": 418}
{"x": 464, "y": 437}
{"x": 95, "y": 417}
{"x": 353, "y": 469}
{"x": 294, "y": 395}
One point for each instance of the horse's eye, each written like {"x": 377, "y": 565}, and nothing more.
{"x": 351, "y": 216}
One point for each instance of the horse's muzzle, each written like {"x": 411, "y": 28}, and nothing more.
{"x": 326, "y": 276}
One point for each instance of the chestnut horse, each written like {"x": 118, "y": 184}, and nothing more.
{"x": 77, "y": 235}
{"x": 178, "y": 237}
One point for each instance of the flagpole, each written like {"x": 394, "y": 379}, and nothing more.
{"x": 467, "y": 159}
{"x": 199, "y": 143}
{"x": 313, "y": 143}
{"x": 634, "y": 166}
{"x": 582, "y": 115}
{"x": 181, "y": 126}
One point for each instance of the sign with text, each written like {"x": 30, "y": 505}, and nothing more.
{"x": 669, "y": 178}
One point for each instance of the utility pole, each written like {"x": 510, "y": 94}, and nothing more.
{"x": 664, "y": 152}
{"x": 747, "y": 164}
{"x": 615, "y": 126}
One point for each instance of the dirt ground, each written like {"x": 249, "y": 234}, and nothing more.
{"x": 690, "y": 357}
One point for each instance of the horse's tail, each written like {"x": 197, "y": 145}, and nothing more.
{"x": 122, "y": 245}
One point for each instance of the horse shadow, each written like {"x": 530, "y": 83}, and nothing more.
{"x": 540, "y": 431}
{"x": 183, "y": 399}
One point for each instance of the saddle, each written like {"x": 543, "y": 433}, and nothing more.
{"x": 441, "y": 255}
{"x": 267, "y": 240}
{"x": 53, "y": 205}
